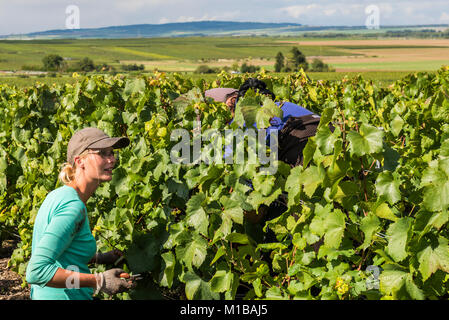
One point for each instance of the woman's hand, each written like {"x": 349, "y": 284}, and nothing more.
{"x": 110, "y": 282}
{"x": 109, "y": 257}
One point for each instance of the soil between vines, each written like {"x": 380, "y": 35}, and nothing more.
{"x": 10, "y": 281}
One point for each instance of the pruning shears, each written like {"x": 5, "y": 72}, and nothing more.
{"x": 134, "y": 277}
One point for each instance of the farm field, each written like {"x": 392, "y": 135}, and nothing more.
{"x": 380, "y": 60}
{"x": 186, "y": 54}
{"x": 391, "y": 55}
{"x": 344, "y": 55}
{"x": 15, "y": 54}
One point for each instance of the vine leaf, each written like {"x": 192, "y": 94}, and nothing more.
{"x": 197, "y": 288}
{"x": 135, "y": 86}
{"x": 168, "y": 269}
{"x": 369, "y": 226}
{"x": 335, "y": 227}
{"x": 232, "y": 209}
{"x": 368, "y": 141}
{"x": 435, "y": 181}
{"x": 221, "y": 281}
{"x": 387, "y": 185}
{"x": 196, "y": 216}
{"x": 433, "y": 259}
{"x": 311, "y": 178}
{"x": 396, "y": 125}
{"x": 393, "y": 281}
{"x": 193, "y": 253}
{"x": 398, "y": 234}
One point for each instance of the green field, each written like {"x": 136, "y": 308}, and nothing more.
{"x": 15, "y": 53}
{"x": 384, "y": 61}
{"x": 395, "y": 66}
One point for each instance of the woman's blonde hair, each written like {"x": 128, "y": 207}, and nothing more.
{"x": 67, "y": 172}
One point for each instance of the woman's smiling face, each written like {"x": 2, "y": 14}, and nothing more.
{"x": 99, "y": 164}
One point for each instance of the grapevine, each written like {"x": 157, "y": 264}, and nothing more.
{"x": 373, "y": 193}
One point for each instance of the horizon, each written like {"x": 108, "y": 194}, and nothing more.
{"x": 230, "y": 21}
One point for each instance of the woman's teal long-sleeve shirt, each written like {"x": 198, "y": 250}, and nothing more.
{"x": 61, "y": 239}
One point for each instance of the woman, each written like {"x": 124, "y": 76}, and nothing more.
{"x": 63, "y": 243}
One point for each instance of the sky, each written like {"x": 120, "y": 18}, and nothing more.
{"x": 24, "y": 16}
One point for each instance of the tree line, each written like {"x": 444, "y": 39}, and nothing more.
{"x": 294, "y": 61}
{"x": 297, "y": 60}
{"x": 54, "y": 62}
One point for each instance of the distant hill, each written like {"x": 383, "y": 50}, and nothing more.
{"x": 182, "y": 29}
{"x": 220, "y": 28}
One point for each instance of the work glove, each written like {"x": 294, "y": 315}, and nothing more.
{"x": 110, "y": 257}
{"x": 110, "y": 282}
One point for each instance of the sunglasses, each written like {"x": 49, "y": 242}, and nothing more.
{"x": 104, "y": 153}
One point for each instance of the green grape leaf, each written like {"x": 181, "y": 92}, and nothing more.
{"x": 196, "y": 216}
{"x": 384, "y": 211}
{"x": 167, "y": 269}
{"x": 220, "y": 252}
{"x": 268, "y": 110}
{"x": 264, "y": 183}
{"x": 238, "y": 238}
{"x": 309, "y": 151}
{"x": 412, "y": 289}
{"x": 335, "y": 227}
{"x": 197, "y": 288}
{"x": 326, "y": 140}
{"x": 246, "y": 110}
{"x": 292, "y": 185}
{"x": 367, "y": 141}
{"x": 387, "y": 185}
{"x": 398, "y": 234}
{"x": 232, "y": 209}
{"x": 311, "y": 178}
{"x": 369, "y": 225}
{"x": 435, "y": 182}
{"x": 396, "y": 125}
{"x": 192, "y": 253}
{"x": 432, "y": 258}
{"x": 391, "y": 281}
{"x": 135, "y": 86}
{"x": 221, "y": 281}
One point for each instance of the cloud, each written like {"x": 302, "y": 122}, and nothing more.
{"x": 444, "y": 18}
{"x": 148, "y": 6}
{"x": 319, "y": 13}
{"x": 231, "y": 15}
{"x": 352, "y": 12}
{"x": 299, "y": 10}
{"x": 386, "y": 9}
{"x": 330, "y": 12}
{"x": 192, "y": 19}
{"x": 130, "y": 5}
{"x": 164, "y": 20}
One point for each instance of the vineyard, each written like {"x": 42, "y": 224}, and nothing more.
{"x": 366, "y": 217}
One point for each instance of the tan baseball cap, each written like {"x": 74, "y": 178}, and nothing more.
{"x": 92, "y": 138}
{"x": 219, "y": 94}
